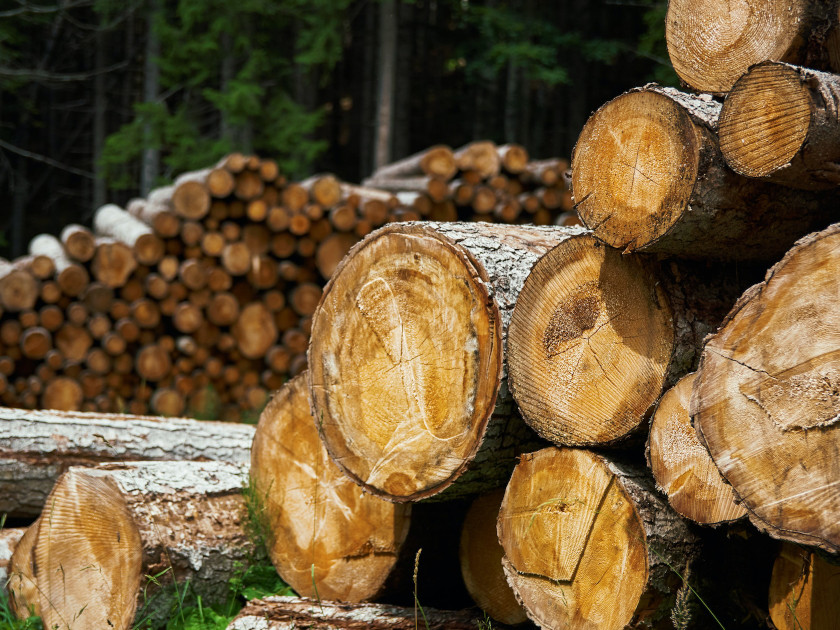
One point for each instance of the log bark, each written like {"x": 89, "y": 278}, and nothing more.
{"x": 326, "y": 538}
{"x": 71, "y": 276}
{"x": 596, "y": 337}
{"x": 111, "y": 220}
{"x": 782, "y": 123}
{"x": 590, "y": 544}
{"x": 113, "y": 525}
{"x": 480, "y": 157}
{"x": 514, "y": 158}
{"x": 406, "y": 357}
{"x": 628, "y": 192}
{"x": 711, "y": 45}
{"x": 804, "y": 590}
{"x": 287, "y": 613}
{"x": 765, "y": 401}
{"x": 481, "y": 561}
{"x": 37, "y": 446}
{"x": 438, "y": 161}
{"x": 681, "y": 465}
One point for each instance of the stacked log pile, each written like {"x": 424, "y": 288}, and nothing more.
{"x": 198, "y": 300}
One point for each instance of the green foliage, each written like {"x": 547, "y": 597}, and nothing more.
{"x": 8, "y": 621}
{"x": 652, "y": 45}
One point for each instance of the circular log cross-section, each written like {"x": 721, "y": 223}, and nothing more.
{"x": 682, "y": 466}
{"x": 406, "y": 356}
{"x": 590, "y": 343}
{"x": 780, "y": 122}
{"x": 712, "y": 42}
{"x": 804, "y": 591}
{"x": 106, "y": 529}
{"x": 648, "y": 175}
{"x": 327, "y": 539}
{"x": 588, "y": 543}
{"x": 766, "y": 400}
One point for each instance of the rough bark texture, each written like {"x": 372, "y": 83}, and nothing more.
{"x": 588, "y": 543}
{"x": 327, "y": 539}
{"x": 406, "y": 362}
{"x": 481, "y": 561}
{"x": 596, "y": 337}
{"x": 111, "y": 220}
{"x": 437, "y": 160}
{"x": 628, "y": 191}
{"x": 104, "y": 529}
{"x": 681, "y": 465}
{"x": 288, "y": 613}
{"x": 711, "y": 44}
{"x": 37, "y": 446}
{"x": 804, "y": 591}
{"x": 782, "y": 123}
{"x": 765, "y": 401}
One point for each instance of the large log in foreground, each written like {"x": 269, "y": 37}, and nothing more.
{"x": 711, "y": 44}
{"x": 289, "y": 613}
{"x": 766, "y": 400}
{"x": 325, "y": 537}
{"x": 596, "y": 337}
{"x": 590, "y": 544}
{"x": 804, "y": 591}
{"x": 781, "y": 122}
{"x": 681, "y": 465}
{"x": 37, "y": 446}
{"x": 9, "y": 538}
{"x": 105, "y": 530}
{"x": 406, "y": 357}
{"x": 629, "y": 193}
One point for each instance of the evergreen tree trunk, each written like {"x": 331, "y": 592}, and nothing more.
{"x": 387, "y": 76}
{"x": 151, "y": 82}
{"x": 100, "y": 104}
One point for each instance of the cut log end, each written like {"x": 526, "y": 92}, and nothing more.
{"x": 682, "y": 466}
{"x": 328, "y": 538}
{"x": 625, "y": 184}
{"x": 804, "y": 590}
{"x": 765, "y": 120}
{"x": 406, "y": 325}
{"x": 584, "y": 310}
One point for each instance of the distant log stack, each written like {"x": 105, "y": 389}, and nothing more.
{"x": 765, "y": 401}
{"x": 627, "y": 191}
{"x": 113, "y": 526}
{"x": 407, "y": 359}
{"x": 198, "y": 300}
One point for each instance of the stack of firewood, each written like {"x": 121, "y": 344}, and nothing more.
{"x": 198, "y": 300}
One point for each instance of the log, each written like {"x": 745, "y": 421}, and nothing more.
{"x": 111, "y": 220}
{"x": 589, "y": 543}
{"x": 628, "y": 192}
{"x": 254, "y": 331}
{"x": 681, "y": 465}
{"x": 406, "y": 356}
{"x": 326, "y": 539}
{"x": 114, "y": 525}
{"x": 71, "y": 276}
{"x": 437, "y": 160}
{"x": 153, "y": 362}
{"x": 9, "y": 538}
{"x": 481, "y": 561}
{"x": 596, "y": 337}
{"x": 780, "y": 122}
{"x": 36, "y": 447}
{"x": 765, "y": 402}
{"x": 481, "y": 157}
{"x": 286, "y": 613}
{"x": 78, "y": 242}
{"x": 330, "y": 252}
{"x": 804, "y": 590}
{"x": 711, "y": 45}
{"x": 191, "y": 197}
{"x": 112, "y": 263}
{"x": 514, "y": 158}
{"x": 324, "y": 190}
{"x": 21, "y": 586}
{"x": 19, "y": 288}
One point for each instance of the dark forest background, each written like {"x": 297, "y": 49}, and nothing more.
{"x": 102, "y": 100}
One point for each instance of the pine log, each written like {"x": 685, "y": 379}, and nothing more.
{"x": 330, "y": 252}
{"x": 190, "y": 197}
{"x": 62, "y": 393}
{"x": 324, "y": 190}
{"x": 71, "y": 276}
{"x": 21, "y": 586}
{"x": 589, "y": 543}
{"x": 153, "y": 362}
{"x": 288, "y": 613}
{"x": 804, "y": 591}
{"x": 481, "y": 561}
{"x": 544, "y": 172}
{"x": 438, "y": 161}
{"x": 111, "y": 220}
{"x": 35, "y": 342}
{"x": 765, "y": 401}
{"x": 596, "y": 337}
{"x": 326, "y": 538}
{"x": 78, "y": 242}
{"x": 254, "y": 331}
{"x": 19, "y": 288}
{"x": 711, "y": 44}
{"x": 627, "y": 190}
{"x": 157, "y": 211}
{"x": 406, "y": 356}
{"x": 514, "y": 158}
{"x": 112, "y": 526}
{"x": 681, "y": 465}
{"x": 236, "y": 258}
{"x": 481, "y": 157}
{"x": 112, "y": 263}
{"x": 9, "y": 538}
{"x": 781, "y": 122}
